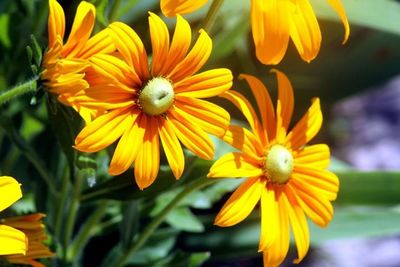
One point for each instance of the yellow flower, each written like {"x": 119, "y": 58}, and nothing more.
{"x": 164, "y": 103}
{"x": 288, "y": 178}
{"x": 33, "y": 228}
{"x": 64, "y": 64}
{"x": 12, "y": 241}
{"x": 274, "y": 21}
{"x": 171, "y": 8}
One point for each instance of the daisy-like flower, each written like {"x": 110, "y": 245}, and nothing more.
{"x": 64, "y": 64}
{"x": 34, "y": 229}
{"x": 274, "y": 21}
{"x": 163, "y": 103}
{"x": 12, "y": 241}
{"x": 171, "y": 8}
{"x": 288, "y": 178}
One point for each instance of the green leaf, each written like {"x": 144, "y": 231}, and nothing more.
{"x": 4, "y": 37}
{"x": 130, "y": 223}
{"x": 183, "y": 219}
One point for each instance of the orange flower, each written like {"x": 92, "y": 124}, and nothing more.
{"x": 171, "y": 8}
{"x": 274, "y": 21}
{"x": 288, "y": 178}
{"x": 165, "y": 103}
{"x": 64, "y": 64}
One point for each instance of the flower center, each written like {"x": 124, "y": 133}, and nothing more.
{"x": 278, "y": 164}
{"x": 157, "y": 96}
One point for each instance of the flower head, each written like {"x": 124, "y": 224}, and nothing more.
{"x": 171, "y": 8}
{"x": 288, "y": 178}
{"x": 64, "y": 64}
{"x": 147, "y": 104}
{"x": 274, "y": 21}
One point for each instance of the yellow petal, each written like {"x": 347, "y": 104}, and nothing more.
{"x": 127, "y": 148}
{"x": 241, "y": 203}
{"x": 10, "y": 191}
{"x": 270, "y": 28}
{"x": 265, "y": 106}
{"x": 147, "y": 162}
{"x": 206, "y": 84}
{"x": 103, "y": 131}
{"x": 284, "y": 108}
{"x": 81, "y": 29}
{"x": 191, "y": 135}
{"x": 129, "y": 44}
{"x": 12, "y": 241}
{"x": 304, "y": 30}
{"x": 337, "y": 5}
{"x": 196, "y": 58}
{"x": 299, "y": 225}
{"x": 159, "y": 42}
{"x": 210, "y": 117}
{"x": 235, "y": 165}
{"x": 101, "y": 43}
{"x": 171, "y": 8}
{"x": 56, "y": 22}
{"x": 317, "y": 156}
{"x": 269, "y": 219}
{"x": 307, "y": 127}
{"x": 172, "y": 147}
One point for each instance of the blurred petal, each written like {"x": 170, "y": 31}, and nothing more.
{"x": 235, "y": 164}
{"x": 171, "y": 8}
{"x": 159, "y": 42}
{"x": 241, "y": 203}
{"x": 337, "y": 5}
{"x": 10, "y": 191}
{"x": 317, "y": 156}
{"x": 56, "y": 22}
{"x": 13, "y": 241}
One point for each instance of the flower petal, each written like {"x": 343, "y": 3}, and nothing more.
{"x": 304, "y": 30}
{"x": 159, "y": 42}
{"x": 317, "y": 156}
{"x": 172, "y": 7}
{"x": 337, "y": 5}
{"x": 147, "y": 162}
{"x": 270, "y": 28}
{"x": 206, "y": 84}
{"x": 128, "y": 147}
{"x": 285, "y": 105}
{"x": 241, "y": 203}
{"x": 13, "y": 241}
{"x": 211, "y": 118}
{"x": 235, "y": 164}
{"x": 10, "y": 191}
{"x": 56, "y": 22}
{"x": 269, "y": 219}
{"x": 101, "y": 43}
{"x": 172, "y": 148}
{"x": 307, "y": 127}
{"x": 196, "y": 58}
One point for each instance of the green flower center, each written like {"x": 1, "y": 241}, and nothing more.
{"x": 278, "y": 164}
{"x": 157, "y": 96}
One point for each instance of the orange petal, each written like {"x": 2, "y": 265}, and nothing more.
{"x": 307, "y": 127}
{"x": 171, "y": 8}
{"x": 129, "y": 44}
{"x": 101, "y": 43}
{"x": 14, "y": 241}
{"x": 235, "y": 165}
{"x": 191, "y": 135}
{"x": 159, "y": 42}
{"x": 172, "y": 147}
{"x": 265, "y": 106}
{"x": 10, "y": 191}
{"x": 241, "y": 203}
{"x": 269, "y": 219}
{"x": 337, "y": 5}
{"x": 196, "y": 58}
{"x": 270, "y": 28}
{"x": 317, "y": 156}
{"x": 127, "y": 148}
{"x": 147, "y": 162}
{"x": 103, "y": 131}
{"x": 304, "y": 30}
{"x": 206, "y": 84}
{"x": 211, "y": 118}
{"x": 56, "y": 22}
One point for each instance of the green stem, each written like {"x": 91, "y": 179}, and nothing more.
{"x": 61, "y": 205}
{"x": 21, "y": 89}
{"x": 211, "y": 15}
{"x": 148, "y": 231}
{"x": 113, "y": 11}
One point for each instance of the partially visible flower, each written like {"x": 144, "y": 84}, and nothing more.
{"x": 273, "y": 22}
{"x": 34, "y": 229}
{"x": 164, "y": 103}
{"x": 289, "y": 178}
{"x": 12, "y": 241}
{"x": 171, "y": 8}
{"x": 64, "y": 64}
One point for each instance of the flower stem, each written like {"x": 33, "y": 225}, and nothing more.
{"x": 148, "y": 231}
{"x": 21, "y": 89}
{"x": 211, "y": 15}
